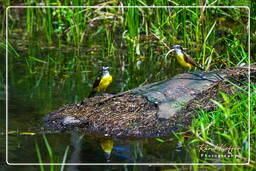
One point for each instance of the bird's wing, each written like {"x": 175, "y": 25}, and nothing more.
{"x": 190, "y": 60}
{"x": 96, "y": 82}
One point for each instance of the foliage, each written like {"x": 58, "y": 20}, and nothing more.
{"x": 59, "y": 51}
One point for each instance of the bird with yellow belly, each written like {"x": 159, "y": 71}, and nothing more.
{"x": 102, "y": 82}
{"x": 184, "y": 59}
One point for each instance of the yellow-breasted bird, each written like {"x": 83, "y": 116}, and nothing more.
{"x": 102, "y": 82}
{"x": 184, "y": 59}
{"x": 107, "y": 146}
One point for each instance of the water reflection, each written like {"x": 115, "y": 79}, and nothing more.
{"x": 107, "y": 146}
{"x": 85, "y": 148}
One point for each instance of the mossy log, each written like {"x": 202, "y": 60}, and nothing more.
{"x": 152, "y": 110}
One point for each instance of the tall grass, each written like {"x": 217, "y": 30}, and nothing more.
{"x": 134, "y": 41}
{"x": 210, "y": 36}
{"x": 228, "y": 125}
{"x": 51, "y": 156}
{"x": 225, "y": 127}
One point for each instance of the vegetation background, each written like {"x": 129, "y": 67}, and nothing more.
{"x": 56, "y": 54}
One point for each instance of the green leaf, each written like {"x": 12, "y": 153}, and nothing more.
{"x": 64, "y": 159}
{"x": 218, "y": 104}
{"x": 160, "y": 140}
{"x": 36, "y": 59}
{"x": 39, "y": 156}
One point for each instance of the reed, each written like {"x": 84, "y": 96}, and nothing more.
{"x": 51, "y": 156}
{"x": 64, "y": 47}
{"x": 228, "y": 125}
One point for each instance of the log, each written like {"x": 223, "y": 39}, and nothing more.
{"x": 152, "y": 110}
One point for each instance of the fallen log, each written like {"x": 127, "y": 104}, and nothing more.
{"x": 152, "y": 110}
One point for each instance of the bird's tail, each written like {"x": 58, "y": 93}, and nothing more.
{"x": 92, "y": 93}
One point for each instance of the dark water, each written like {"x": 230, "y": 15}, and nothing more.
{"x": 33, "y": 94}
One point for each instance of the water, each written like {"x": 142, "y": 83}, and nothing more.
{"x": 32, "y": 96}
{"x": 36, "y": 92}
{"x": 27, "y": 108}
{"x": 88, "y": 150}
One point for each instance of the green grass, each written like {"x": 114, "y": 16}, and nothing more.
{"x": 228, "y": 125}
{"x": 216, "y": 38}
{"x": 65, "y": 47}
{"x": 51, "y": 156}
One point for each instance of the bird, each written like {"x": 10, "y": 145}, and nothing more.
{"x": 107, "y": 146}
{"x": 102, "y": 82}
{"x": 183, "y": 58}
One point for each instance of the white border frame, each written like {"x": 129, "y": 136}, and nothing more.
{"x": 155, "y": 164}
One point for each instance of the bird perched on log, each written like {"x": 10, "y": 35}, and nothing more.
{"x": 102, "y": 82}
{"x": 184, "y": 59}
